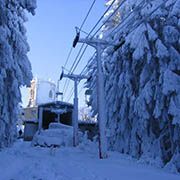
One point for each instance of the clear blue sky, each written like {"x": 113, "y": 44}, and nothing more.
{"x": 50, "y": 34}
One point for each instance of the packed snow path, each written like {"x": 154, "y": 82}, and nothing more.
{"x": 23, "y": 162}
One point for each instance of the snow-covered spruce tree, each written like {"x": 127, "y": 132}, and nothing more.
{"x": 91, "y": 84}
{"x": 142, "y": 83}
{"x": 15, "y": 68}
{"x": 109, "y": 19}
{"x": 116, "y": 14}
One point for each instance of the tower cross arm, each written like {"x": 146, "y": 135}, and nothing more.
{"x": 75, "y": 76}
{"x": 94, "y": 42}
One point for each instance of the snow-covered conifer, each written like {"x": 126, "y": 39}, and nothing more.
{"x": 15, "y": 68}
{"x": 110, "y": 18}
{"x": 142, "y": 82}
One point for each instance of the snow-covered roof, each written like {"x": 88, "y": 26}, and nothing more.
{"x": 56, "y": 103}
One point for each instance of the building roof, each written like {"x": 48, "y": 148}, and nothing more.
{"x": 57, "y": 104}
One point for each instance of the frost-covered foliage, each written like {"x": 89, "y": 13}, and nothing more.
{"x": 15, "y": 68}
{"x": 91, "y": 84}
{"x": 110, "y": 19}
{"x": 118, "y": 11}
{"x": 142, "y": 82}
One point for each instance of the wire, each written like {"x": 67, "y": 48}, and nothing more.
{"x": 136, "y": 25}
{"x": 70, "y": 95}
{"x": 87, "y": 14}
{"x": 69, "y": 54}
{"x": 98, "y": 29}
{"x": 65, "y": 69}
{"x": 80, "y": 30}
{"x": 142, "y": 20}
{"x": 129, "y": 23}
{"x": 109, "y": 17}
{"x": 71, "y": 91}
{"x": 76, "y": 61}
{"x": 136, "y": 8}
{"x": 148, "y": 15}
{"x": 79, "y": 58}
{"x": 90, "y": 60}
{"x": 64, "y": 87}
{"x": 88, "y": 36}
{"x": 66, "y": 84}
{"x": 101, "y": 17}
{"x": 74, "y": 66}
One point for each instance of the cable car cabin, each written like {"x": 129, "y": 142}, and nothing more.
{"x": 57, "y": 111}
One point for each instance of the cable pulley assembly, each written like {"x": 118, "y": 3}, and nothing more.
{"x": 76, "y": 39}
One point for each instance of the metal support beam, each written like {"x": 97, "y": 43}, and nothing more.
{"x": 75, "y": 115}
{"x": 101, "y": 106}
{"x": 98, "y": 44}
{"x": 76, "y": 79}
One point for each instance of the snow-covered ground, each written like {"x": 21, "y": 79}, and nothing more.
{"x": 24, "y": 162}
